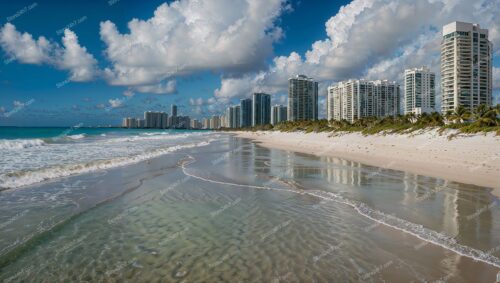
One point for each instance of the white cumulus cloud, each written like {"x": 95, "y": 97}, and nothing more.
{"x": 18, "y": 103}
{"x": 115, "y": 103}
{"x": 76, "y": 59}
{"x": 189, "y": 36}
{"x": 70, "y": 57}
{"x": 374, "y": 39}
{"x": 23, "y": 47}
{"x": 168, "y": 87}
{"x": 128, "y": 93}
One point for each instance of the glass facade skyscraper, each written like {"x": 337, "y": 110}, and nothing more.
{"x": 246, "y": 112}
{"x": 278, "y": 114}
{"x": 302, "y": 98}
{"x": 261, "y": 109}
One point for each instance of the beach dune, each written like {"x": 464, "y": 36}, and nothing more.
{"x": 469, "y": 159}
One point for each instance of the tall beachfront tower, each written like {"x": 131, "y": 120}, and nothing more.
{"x": 164, "y": 120}
{"x": 215, "y": 122}
{"x": 172, "y": 120}
{"x": 354, "y": 99}
{"x": 246, "y": 112}
{"x": 302, "y": 98}
{"x": 233, "y": 116}
{"x": 174, "y": 110}
{"x": 466, "y": 66}
{"x": 419, "y": 91}
{"x": 387, "y": 99}
{"x": 148, "y": 119}
{"x": 278, "y": 114}
{"x": 261, "y": 109}
{"x": 205, "y": 123}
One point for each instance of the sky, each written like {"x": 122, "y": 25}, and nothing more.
{"x": 92, "y": 62}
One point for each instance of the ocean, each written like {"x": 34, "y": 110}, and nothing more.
{"x": 198, "y": 206}
{"x": 32, "y": 155}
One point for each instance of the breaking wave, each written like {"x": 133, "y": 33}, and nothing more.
{"x": 29, "y": 177}
{"x": 77, "y": 137}
{"x": 20, "y": 144}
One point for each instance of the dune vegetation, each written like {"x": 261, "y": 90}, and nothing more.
{"x": 482, "y": 120}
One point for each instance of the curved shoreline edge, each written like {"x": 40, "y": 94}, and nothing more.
{"x": 471, "y": 159}
{"x": 416, "y": 230}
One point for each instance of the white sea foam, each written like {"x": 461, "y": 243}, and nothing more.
{"x": 150, "y": 137}
{"x": 417, "y": 230}
{"x": 29, "y": 177}
{"x": 20, "y": 143}
{"x": 77, "y": 137}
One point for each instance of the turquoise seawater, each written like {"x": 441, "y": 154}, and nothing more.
{"x": 51, "y": 132}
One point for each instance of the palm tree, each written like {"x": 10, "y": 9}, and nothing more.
{"x": 485, "y": 116}
{"x": 399, "y": 119}
{"x": 448, "y": 116}
{"x": 460, "y": 115}
{"x": 496, "y": 108}
{"x": 411, "y": 117}
{"x": 423, "y": 119}
{"x": 436, "y": 119}
{"x": 479, "y": 111}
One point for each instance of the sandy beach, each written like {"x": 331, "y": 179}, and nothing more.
{"x": 471, "y": 159}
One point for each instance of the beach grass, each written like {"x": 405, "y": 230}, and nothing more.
{"x": 482, "y": 120}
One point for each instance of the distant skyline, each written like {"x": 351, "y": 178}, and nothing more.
{"x": 67, "y": 63}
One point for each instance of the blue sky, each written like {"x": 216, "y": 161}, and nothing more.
{"x": 85, "y": 78}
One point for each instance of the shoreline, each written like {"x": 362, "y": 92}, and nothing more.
{"x": 468, "y": 159}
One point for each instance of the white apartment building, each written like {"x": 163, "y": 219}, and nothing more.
{"x": 195, "y": 124}
{"x": 419, "y": 91}
{"x": 129, "y": 122}
{"x": 214, "y": 122}
{"x": 354, "y": 99}
{"x": 466, "y": 66}
{"x": 205, "y": 123}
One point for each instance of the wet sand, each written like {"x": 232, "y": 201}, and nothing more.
{"x": 473, "y": 159}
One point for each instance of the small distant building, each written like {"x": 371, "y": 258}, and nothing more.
{"x": 215, "y": 122}
{"x": 233, "y": 114}
{"x": 129, "y": 123}
{"x": 149, "y": 119}
{"x": 205, "y": 123}
{"x": 173, "y": 110}
{"x": 183, "y": 122}
{"x": 223, "y": 121}
{"x": 164, "y": 120}
{"x": 195, "y": 124}
{"x": 278, "y": 114}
